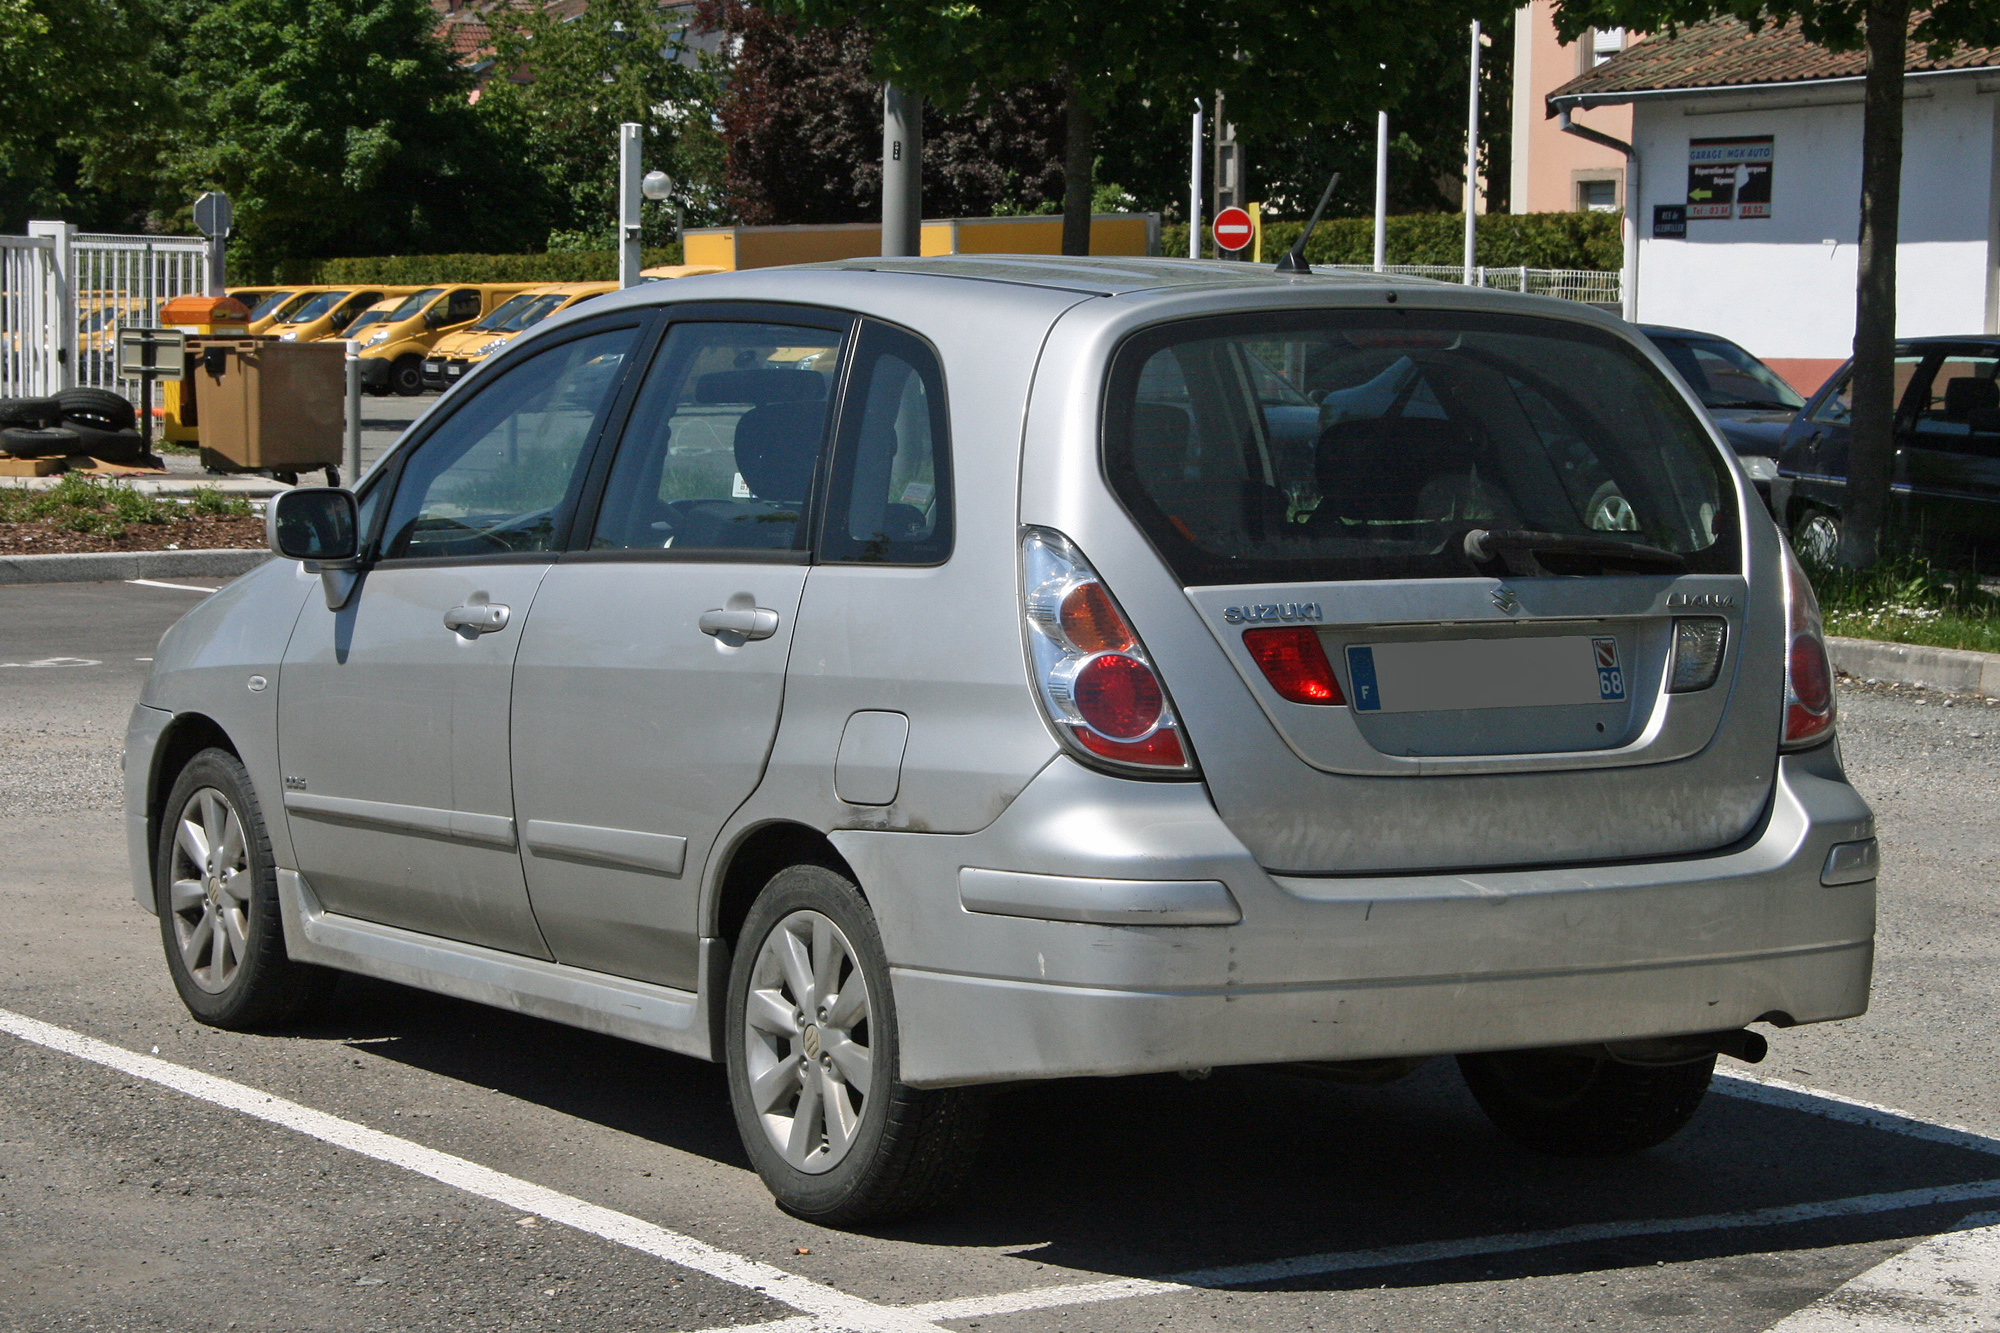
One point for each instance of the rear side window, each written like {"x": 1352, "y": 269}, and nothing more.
{"x": 1366, "y": 444}
{"x": 890, "y": 498}
{"x": 724, "y": 441}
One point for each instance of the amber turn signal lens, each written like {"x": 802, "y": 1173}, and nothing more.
{"x": 1091, "y": 622}
{"x": 1295, "y": 664}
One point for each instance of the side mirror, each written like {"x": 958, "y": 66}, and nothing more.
{"x": 318, "y": 525}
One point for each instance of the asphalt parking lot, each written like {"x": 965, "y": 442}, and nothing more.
{"x": 406, "y": 1161}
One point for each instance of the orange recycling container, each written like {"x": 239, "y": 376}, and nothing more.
{"x": 195, "y": 315}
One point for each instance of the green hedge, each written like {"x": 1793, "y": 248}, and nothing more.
{"x": 1505, "y": 240}
{"x": 426, "y": 270}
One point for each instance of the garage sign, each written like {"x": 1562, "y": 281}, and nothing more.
{"x": 1729, "y": 178}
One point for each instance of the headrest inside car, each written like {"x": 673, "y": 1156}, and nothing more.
{"x": 760, "y": 386}
{"x": 776, "y": 447}
{"x": 1967, "y": 393}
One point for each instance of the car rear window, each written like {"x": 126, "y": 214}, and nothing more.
{"x": 1343, "y": 445}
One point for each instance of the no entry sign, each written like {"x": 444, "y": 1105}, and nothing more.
{"x": 1232, "y": 229}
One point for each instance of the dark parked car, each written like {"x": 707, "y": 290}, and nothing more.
{"x": 1748, "y": 401}
{"x": 1945, "y": 487}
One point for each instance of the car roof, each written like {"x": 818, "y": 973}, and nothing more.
{"x": 1111, "y": 275}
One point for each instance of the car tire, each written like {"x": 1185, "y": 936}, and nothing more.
{"x": 406, "y": 376}
{"x": 110, "y": 446}
{"x": 1816, "y": 537}
{"x": 902, "y": 1149}
{"x": 29, "y": 413}
{"x": 1570, "y": 1104}
{"x": 219, "y": 916}
{"x": 100, "y": 409}
{"x": 52, "y": 442}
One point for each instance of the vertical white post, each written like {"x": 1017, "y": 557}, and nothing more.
{"x": 61, "y": 320}
{"x": 1629, "y": 279}
{"x": 1194, "y": 187}
{"x": 628, "y": 204}
{"x": 902, "y": 172}
{"x": 1381, "y": 190}
{"x": 1472, "y": 158}
{"x": 350, "y": 445}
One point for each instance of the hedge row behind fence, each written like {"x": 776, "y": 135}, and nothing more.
{"x": 427, "y": 270}
{"x": 1505, "y": 240}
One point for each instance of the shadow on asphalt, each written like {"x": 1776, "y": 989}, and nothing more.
{"x": 1149, "y": 1176}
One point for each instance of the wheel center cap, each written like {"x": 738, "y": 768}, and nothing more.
{"x": 810, "y": 1039}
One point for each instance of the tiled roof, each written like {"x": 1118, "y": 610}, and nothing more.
{"x": 1723, "y": 53}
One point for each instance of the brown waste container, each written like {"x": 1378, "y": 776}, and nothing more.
{"x": 269, "y": 406}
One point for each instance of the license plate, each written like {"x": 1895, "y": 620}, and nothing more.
{"x": 1484, "y": 673}
{"x": 454, "y": 370}
{"x": 433, "y": 367}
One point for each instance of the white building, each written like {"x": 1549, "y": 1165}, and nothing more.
{"x": 1747, "y": 206}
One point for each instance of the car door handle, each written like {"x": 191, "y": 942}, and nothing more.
{"x": 745, "y": 622}
{"x": 476, "y": 619}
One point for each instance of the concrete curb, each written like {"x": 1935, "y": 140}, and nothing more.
{"x": 1909, "y": 664}
{"x": 106, "y": 566}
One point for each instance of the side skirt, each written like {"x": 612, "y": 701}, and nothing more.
{"x": 673, "y": 1020}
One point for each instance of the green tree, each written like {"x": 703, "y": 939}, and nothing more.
{"x": 1281, "y": 63}
{"x": 75, "y": 71}
{"x": 563, "y": 86}
{"x": 1887, "y": 30}
{"x": 337, "y": 127}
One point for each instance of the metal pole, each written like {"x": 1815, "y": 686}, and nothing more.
{"x": 218, "y": 266}
{"x": 1381, "y": 189}
{"x": 1472, "y": 158}
{"x": 902, "y": 172}
{"x": 1194, "y": 187}
{"x": 350, "y": 447}
{"x": 628, "y": 204}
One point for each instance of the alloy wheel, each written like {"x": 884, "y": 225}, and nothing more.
{"x": 805, "y": 1037}
{"x": 209, "y": 890}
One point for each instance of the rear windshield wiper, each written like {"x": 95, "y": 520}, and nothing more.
{"x": 1524, "y": 554}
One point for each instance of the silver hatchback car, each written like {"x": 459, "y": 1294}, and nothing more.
{"x": 895, "y": 677}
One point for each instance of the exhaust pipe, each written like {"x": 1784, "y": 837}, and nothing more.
{"x": 1739, "y": 1044}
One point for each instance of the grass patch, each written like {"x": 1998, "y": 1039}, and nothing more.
{"x": 78, "y": 503}
{"x": 1909, "y": 599}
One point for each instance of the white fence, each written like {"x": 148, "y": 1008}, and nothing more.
{"x": 29, "y": 300}
{"x": 64, "y": 296}
{"x": 1572, "y": 284}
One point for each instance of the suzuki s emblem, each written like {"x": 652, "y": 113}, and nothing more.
{"x": 1504, "y": 598}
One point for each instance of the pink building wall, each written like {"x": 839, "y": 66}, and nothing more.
{"x": 1549, "y": 167}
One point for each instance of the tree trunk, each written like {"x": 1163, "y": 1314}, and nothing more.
{"x": 1079, "y": 166}
{"x": 1872, "y": 447}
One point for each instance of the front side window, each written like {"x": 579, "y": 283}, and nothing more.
{"x": 498, "y": 475}
{"x": 464, "y": 305}
{"x": 890, "y": 498}
{"x": 724, "y": 441}
{"x": 1398, "y": 433}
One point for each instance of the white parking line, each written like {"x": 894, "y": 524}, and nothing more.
{"x": 1948, "y": 1284}
{"x": 178, "y": 587}
{"x": 1832, "y": 1106}
{"x": 833, "y": 1309}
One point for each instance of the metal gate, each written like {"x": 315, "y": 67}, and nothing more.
{"x": 28, "y": 311}
{"x": 64, "y": 296}
{"x": 121, "y": 282}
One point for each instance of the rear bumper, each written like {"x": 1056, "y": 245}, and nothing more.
{"x": 1339, "y": 969}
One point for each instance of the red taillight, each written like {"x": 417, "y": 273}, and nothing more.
{"x": 1295, "y": 663}
{"x": 1091, "y": 671}
{"x": 1809, "y": 702}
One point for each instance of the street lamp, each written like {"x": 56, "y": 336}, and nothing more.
{"x": 657, "y": 186}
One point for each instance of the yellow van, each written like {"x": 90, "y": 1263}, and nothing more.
{"x": 268, "y": 305}
{"x": 456, "y": 353}
{"x": 392, "y": 353}
{"x": 327, "y": 313}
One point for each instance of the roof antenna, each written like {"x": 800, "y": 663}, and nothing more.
{"x": 1295, "y": 258}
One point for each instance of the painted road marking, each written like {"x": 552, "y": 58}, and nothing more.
{"x": 177, "y": 587}
{"x": 833, "y": 1309}
{"x": 53, "y": 662}
{"x": 1947, "y": 1284}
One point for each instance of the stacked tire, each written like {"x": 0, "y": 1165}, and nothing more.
{"x": 92, "y": 422}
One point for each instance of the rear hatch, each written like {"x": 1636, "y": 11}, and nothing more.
{"x": 1481, "y": 573}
